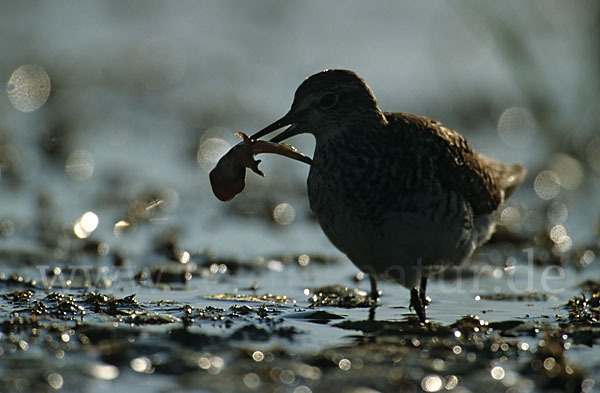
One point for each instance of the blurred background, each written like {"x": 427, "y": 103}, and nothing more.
{"x": 115, "y": 112}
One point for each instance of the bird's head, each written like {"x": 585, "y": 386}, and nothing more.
{"x": 325, "y": 104}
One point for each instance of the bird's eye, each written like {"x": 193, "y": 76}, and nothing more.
{"x": 328, "y": 100}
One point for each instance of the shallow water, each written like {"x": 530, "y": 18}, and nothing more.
{"x": 145, "y": 97}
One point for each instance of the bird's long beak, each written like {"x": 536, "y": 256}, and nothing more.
{"x": 284, "y": 121}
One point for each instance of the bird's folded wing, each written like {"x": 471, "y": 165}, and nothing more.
{"x": 484, "y": 182}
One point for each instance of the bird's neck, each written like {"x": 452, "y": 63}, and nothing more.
{"x": 356, "y": 126}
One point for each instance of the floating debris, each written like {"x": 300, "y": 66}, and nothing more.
{"x": 584, "y": 310}
{"x": 339, "y": 296}
{"x": 149, "y": 318}
{"x": 239, "y": 297}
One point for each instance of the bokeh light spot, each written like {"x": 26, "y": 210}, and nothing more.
{"x": 432, "y": 383}
{"x": 511, "y": 218}
{"x": 568, "y": 170}
{"x": 28, "y": 87}
{"x": 210, "y": 151}
{"x": 450, "y": 382}
{"x": 517, "y": 127}
{"x": 120, "y": 227}
{"x": 89, "y": 221}
{"x": 80, "y": 165}
{"x": 79, "y": 232}
{"x": 183, "y": 257}
{"x": 344, "y": 364}
{"x": 587, "y": 385}
{"x": 558, "y": 233}
{"x": 86, "y": 224}
{"x": 549, "y": 363}
{"x": 55, "y": 380}
{"x": 547, "y": 185}
{"x": 303, "y": 260}
{"x": 7, "y": 228}
{"x": 588, "y": 257}
{"x": 497, "y": 372}
{"x": 563, "y": 245}
{"x": 284, "y": 214}
{"x": 103, "y": 371}
{"x": 103, "y": 249}
{"x": 287, "y": 377}
{"x": 258, "y": 356}
{"x": 251, "y": 380}
{"x": 558, "y": 212}
{"x": 141, "y": 364}
{"x": 204, "y": 362}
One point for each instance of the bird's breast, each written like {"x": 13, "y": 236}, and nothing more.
{"x": 363, "y": 198}
{"x": 362, "y": 180}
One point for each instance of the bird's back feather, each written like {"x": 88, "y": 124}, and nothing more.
{"x": 484, "y": 182}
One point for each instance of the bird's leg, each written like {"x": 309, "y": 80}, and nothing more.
{"x": 372, "y": 313}
{"x": 422, "y": 289}
{"x": 374, "y": 291}
{"x": 415, "y": 302}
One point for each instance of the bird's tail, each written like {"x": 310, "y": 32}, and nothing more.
{"x": 508, "y": 176}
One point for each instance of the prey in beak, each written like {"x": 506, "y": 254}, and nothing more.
{"x": 228, "y": 177}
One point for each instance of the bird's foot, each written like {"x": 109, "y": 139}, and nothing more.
{"x": 372, "y": 313}
{"x": 417, "y": 303}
